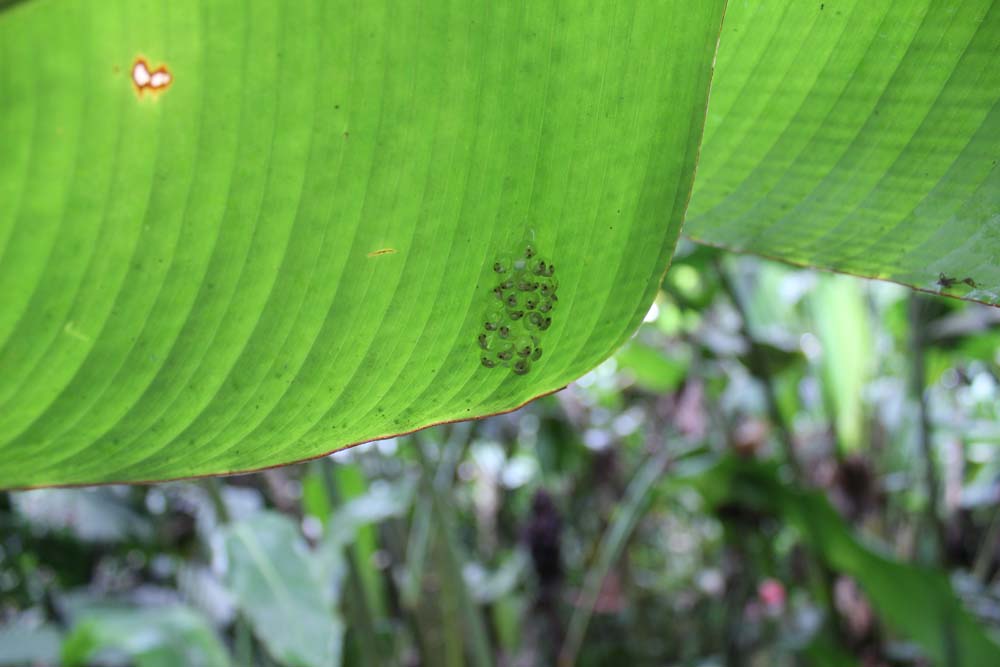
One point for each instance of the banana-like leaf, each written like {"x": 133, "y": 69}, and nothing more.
{"x": 860, "y": 136}
{"x": 235, "y": 235}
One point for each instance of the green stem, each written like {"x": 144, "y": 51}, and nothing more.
{"x": 362, "y": 618}
{"x": 243, "y": 642}
{"x": 409, "y": 585}
{"x": 454, "y": 560}
{"x": 416, "y": 553}
{"x": 452, "y": 636}
{"x": 214, "y": 488}
{"x": 918, "y": 345}
{"x": 988, "y": 549}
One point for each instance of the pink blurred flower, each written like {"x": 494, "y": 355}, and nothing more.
{"x": 771, "y": 593}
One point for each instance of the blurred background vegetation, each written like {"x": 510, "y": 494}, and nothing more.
{"x": 782, "y": 467}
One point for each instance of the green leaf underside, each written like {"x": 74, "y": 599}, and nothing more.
{"x": 858, "y": 136}
{"x": 187, "y": 277}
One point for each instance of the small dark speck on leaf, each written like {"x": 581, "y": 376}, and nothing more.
{"x": 946, "y": 281}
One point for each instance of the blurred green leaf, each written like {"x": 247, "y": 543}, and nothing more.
{"x": 383, "y": 500}
{"x": 278, "y": 587}
{"x": 489, "y": 586}
{"x": 653, "y": 369}
{"x": 844, "y": 328}
{"x": 92, "y": 515}
{"x": 21, "y": 645}
{"x": 916, "y": 601}
{"x": 824, "y": 653}
{"x": 150, "y": 636}
{"x": 772, "y": 359}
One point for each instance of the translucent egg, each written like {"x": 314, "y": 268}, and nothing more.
{"x": 523, "y": 346}
{"x": 506, "y": 353}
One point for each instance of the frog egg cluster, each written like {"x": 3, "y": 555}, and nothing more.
{"x": 520, "y": 311}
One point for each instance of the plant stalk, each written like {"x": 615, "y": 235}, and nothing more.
{"x": 918, "y": 346}
{"x": 613, "y": 543}
{"x": 452, "y": 551}
{"x": 362, "y": 618}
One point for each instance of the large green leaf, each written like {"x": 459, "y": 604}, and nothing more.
{"x": 860, "y": 136}
{"x": 290, "y": 248}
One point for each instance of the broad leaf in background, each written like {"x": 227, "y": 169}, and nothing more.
{"x": 860, "y": 136}
{"x": 22, "y": 644}
{"x": 278, "y": 586}
{"x": 150, "y": 637}
{"x": 92, "y": 515}
{"x": 916, "y": 601}
{"x": 290, "y": 247}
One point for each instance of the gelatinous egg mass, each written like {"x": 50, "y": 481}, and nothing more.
{"x": 520, "y": 301}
